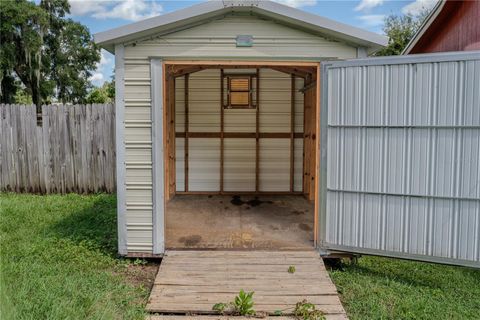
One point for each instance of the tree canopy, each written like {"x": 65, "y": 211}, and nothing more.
{"x": 44, "y": 52}
{"x": 400, "y": 29}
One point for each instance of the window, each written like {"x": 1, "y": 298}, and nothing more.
{"x": 240, "y": 92}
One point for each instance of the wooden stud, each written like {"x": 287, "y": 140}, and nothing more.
{"x": 242, "y": 135}
{"x": 257, "y": 133}
{"x": 317, "y": 157}
{"x": 292, "y": 133}
{"x": 186, "y": 131}
{"x": 222, "y": 106}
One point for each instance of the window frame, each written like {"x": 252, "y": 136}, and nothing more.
{"x": 229, "y": 78}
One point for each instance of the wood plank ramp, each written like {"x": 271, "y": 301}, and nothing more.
{"x": 191, "y": 282}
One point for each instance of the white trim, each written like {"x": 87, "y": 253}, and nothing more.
{"x": 424, "y": 27}
{"x": 158, "y": 214}
{"x": 120, "y": 147}
{"x": 194, "y": 14}
{"x": 413, "y": 58}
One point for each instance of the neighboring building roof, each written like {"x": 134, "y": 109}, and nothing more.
{"x": 196, "y": 14}
{"x": 425, "y": 25}
{"x": 452, "y": 25}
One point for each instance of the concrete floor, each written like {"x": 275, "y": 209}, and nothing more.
{"x": 239, "y": 222}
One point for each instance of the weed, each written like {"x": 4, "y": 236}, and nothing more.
{"x": 242, "y": 305}
{"x": 220, "y": 307}
{"x": 291, "y": 269}
{"x": 307, "y": 311}
{"x": 139, "y": 262}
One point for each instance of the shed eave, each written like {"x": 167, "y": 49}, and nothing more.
{"x": 195, "y": 14}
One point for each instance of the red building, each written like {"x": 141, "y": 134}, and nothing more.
{"x": 451, "y": 26}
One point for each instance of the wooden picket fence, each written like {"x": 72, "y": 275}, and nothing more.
{"x": 73, "y": 150}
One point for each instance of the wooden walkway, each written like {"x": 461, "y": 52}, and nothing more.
{"x": 191, "y": 282}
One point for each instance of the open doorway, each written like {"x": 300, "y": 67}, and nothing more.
{"x": 241, "y": 155}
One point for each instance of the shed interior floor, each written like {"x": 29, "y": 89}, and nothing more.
{"x": 283, "y": 222}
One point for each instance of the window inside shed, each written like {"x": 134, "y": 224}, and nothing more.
{"x": 239, "y": 92}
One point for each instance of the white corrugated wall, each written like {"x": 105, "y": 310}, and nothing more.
{"x": 404, "y": 159}
{"x": 239, "y": 153}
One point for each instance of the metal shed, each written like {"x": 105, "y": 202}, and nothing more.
{"x": 240, "y": 114}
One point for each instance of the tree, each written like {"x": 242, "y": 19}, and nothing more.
{"x": 103, "y": 94}
{"x": 400, "y": 29}
{"x": 51, "y": 55}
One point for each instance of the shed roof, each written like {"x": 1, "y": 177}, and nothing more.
{"x": 196, "y": 14}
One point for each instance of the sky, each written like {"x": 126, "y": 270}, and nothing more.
{"x": 101, "y": 15}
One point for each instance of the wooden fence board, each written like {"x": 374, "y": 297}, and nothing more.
{"x": 73, "y": 150}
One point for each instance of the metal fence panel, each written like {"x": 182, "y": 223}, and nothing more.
{"x": 403, "y": 157}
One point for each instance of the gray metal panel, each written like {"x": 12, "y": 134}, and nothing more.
{"x": 157, "y": 157}
{"x": 120, "y": 148}
{"x": 400, "y": 165}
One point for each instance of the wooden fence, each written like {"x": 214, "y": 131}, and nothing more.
{"x": 72, "y": 151}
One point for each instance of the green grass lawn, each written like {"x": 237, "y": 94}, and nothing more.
{"x": 384, "y": 288}
{"x": 58, "y": 261}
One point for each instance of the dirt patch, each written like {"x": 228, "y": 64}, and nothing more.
{"x": 190, "y": 241}
{"x": 237, "y": 201}
{"x": 142, "y": 274}
{"x": 304, "y": 227}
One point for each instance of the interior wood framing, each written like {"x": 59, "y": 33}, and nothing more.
{"x": 309, "y": 71}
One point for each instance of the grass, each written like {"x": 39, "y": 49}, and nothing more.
{"x": 58, "y": 260}
{"x": 385, "y": 288}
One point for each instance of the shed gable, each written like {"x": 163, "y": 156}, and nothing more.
{"x": 217, "y": 38}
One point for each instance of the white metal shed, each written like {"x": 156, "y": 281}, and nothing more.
{"x": 239, "y": 98}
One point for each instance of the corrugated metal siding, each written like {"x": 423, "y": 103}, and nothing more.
{"x": 204, "y": 164}
{"x": 274, "y": 165}
{"x": 204, "y": 101}
{"x": 275, "y": 97}
{"x": 217, "y": 38}
{"x": 239, "y": 165}
{"x": 138, "y": 155}
{"x": 239, "y": 154}
{"x": 404, "y": 159}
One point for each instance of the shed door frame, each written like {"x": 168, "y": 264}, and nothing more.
{"x": 160, "y": 129}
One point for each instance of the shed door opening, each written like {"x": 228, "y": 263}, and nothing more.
{"x": 243, "y": 162}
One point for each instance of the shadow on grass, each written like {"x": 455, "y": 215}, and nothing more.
{"x": 94, "y": 226}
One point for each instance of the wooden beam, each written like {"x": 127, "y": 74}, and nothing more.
{"x": 257, "y": 133}
{"x": 241, "y": 64}
{"x": 241, "y": 135}
{"x": 317, "y": 157}
{"x": 292, "y": 132}
{"x": 292, "y": 71}
{"x": 222, "y": 105}
{"x": 171, "y": 133}
{"x": 186, "y": 131}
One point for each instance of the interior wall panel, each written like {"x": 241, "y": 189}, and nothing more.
{"x": 239, "y": 154}
{"x": 180, "y": 164}
{"x": 204, "y": 101}
{"x": 274, "y": 162}
{"x": 239, "y": 165}
{"x": 204, "y": 164}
